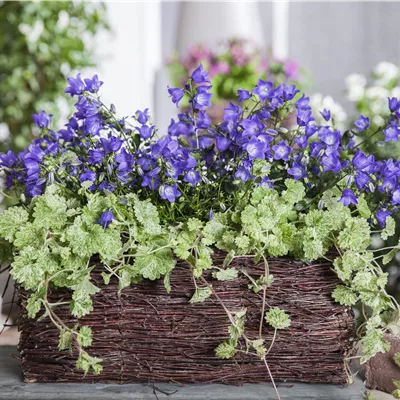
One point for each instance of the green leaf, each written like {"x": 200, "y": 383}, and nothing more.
{"x": 389, "y": 256}
{"x": 356, "y": 235}
{"x": 344, "y": 296}
{"x": 295, "y": 191}
{"x": 81, "y": 302}
{"x": 87, "y": 363}
{"x": 147, "y": 214}
{"x": 227, "y": 274}
{"x": 30, "y": 235}
{"x": 33, "y": 305}
{"x": 372, "y": 343}
{"x": 225, "y": 350}
{"x": 362, "y": 207}
{"x": 390, "y": 228}
{"x": 236, "y": 330}
{"x": 11, "y": 221}
{"x": 200, "y": 295}
{"x": 258, "y": 346}
{"x": 87, "y": 239}
{"x": 152, "y": 263}
{"x": 194, "y": 224}
{"x": 31, "y": 265}
{"x": 85, "y": 336}
{"x": 396, "y": 358}
{"x": 124, "y": 279}
{"x": 65, "y": 340}
{"x": 50, "y": 211}
{"x": 229, "y": 258}
{"x": 277, "y": 318}
{"x": 167, "y": 282}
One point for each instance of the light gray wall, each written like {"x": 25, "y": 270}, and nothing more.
{"x": 333, "y": 40}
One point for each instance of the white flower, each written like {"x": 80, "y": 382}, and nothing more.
{"x": 395, "y": 92}
{"x": 356, "y": 80}
{"x": 355, "y": 84}
{"x": 374, "y": 92}
{"x": 386, "y": 71}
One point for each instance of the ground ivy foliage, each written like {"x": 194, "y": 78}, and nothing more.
{"x": 113, "y": 191}
{"x": 54, "y": 240}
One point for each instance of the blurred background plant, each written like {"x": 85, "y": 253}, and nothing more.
{"x": 40, "y": 46}
{"x": 235, "y": 64}
{"x": 369, "y": 97}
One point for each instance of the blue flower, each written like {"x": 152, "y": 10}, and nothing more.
{"x": 396, "y": 197}
{"x": 391, "y": 133}
{"x": 169, "y": 192}
{"x": 76, "y": 86}
{"x": 205, "y": 142}
{"x": 203, "y": 121}
{"x": 326, "y": 114}
{"x": 176, "y": 94}
{"x": 348, "y": 197}
{"x": 92, "y": 85}
{"x": 331, "y": 138}
{"x": 243, "y": 95}
{"x": 298, "y": 171}
{"x": 142, "y": 116}
{"x": 111, "y": 145}
{"x": 302, "y": 141}
{"x": 145, "y": 131}
{"x": 8, "y": 159}
{"x": 264, "y": 90}
{"x": 87, "y": 176}
{"x": 192, "y": 177}
{"x": 106, "y": 219}
{"x": 202, "y": 98}
{"x": 381, "y": 216}
{"x": 255, "y": 148}
{"x": 362, "y": 162}
{"x": 361, "y": 180}
{"x": 151, "y": 181}
{"x": 243, "y": 174}
{"x": 251, "y": 126}
{"x": 106, "y": 186}
{"x": 222, "y": 143}
{"x": 394, "y": 104}
{"x": 42, "y": 120}
{"x": 362, "y": 123}
{"x": 303, "y": 103}
{"x": 95, "y": 157}
{"x": 200, "y": 75}
{"x": 289, "y": 91}
{"x": 93, "y": 125}
{"x": 282, "y": 151}
{"x": 331, "y": 162}
{"x": 124, "y": 160}
{"x": 304, "y": 116}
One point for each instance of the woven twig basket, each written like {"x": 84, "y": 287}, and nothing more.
{"x": 147, "y": 335}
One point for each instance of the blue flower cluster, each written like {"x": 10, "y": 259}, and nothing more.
{"x": 98, "y": 151}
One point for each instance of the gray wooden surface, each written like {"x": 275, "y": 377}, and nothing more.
{"x": 12, "y": 388}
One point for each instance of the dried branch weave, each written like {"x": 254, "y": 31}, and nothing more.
{"x": 147, "y": 335}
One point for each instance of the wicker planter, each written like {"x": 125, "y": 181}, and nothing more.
{"x": 147, "y": 335}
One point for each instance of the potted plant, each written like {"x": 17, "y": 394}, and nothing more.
{"x": 234, "y": 65}
{"x": 213, "y": 253}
